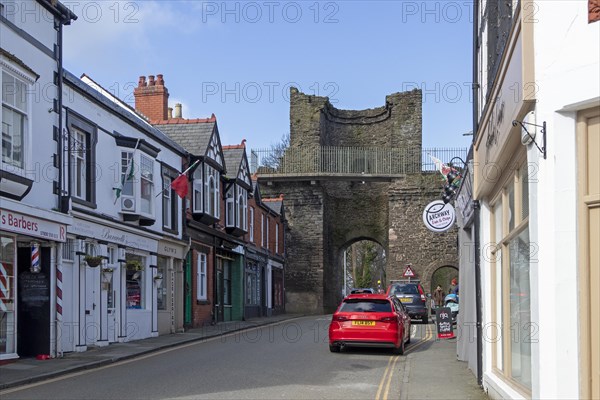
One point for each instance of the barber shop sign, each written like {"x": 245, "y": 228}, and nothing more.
{"x": 439, "y": 216}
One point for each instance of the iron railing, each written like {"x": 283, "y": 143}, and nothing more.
{"x": 333, "y": 160}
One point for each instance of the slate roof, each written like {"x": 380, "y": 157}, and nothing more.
{"x": 193, "y": 137}
{"x": 118, "y": 108}
{"x": 233, "y": 159}
{"x": 274, "y": 204}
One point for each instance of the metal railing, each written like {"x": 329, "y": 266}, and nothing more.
{"x": 332, "y": 160}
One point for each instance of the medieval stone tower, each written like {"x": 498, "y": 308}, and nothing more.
{"x": 328, "y": 210}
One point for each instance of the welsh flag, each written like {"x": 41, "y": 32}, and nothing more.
{"x": 440, "y": 166}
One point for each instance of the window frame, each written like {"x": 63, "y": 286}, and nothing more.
{"x": 25, "y": 114}
{"x": 168, "y": 176}
{"x": 78, "y": 125}
{"x": 507, "y": 224}
{"x": 201, "y": 277}
{"x": 198, "y": 189}
{"x": 251, "y": 225}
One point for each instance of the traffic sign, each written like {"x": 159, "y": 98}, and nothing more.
{"x": 408, "y": 272}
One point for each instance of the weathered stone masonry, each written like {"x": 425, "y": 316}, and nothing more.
{"x": 325, "y": 216}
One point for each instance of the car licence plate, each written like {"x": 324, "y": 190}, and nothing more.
{"x": 406, "y": 299}
{"x": 363, "y": 323}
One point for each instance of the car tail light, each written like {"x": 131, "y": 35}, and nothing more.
{"x": 388, "y": 319}
{"x": 340, "y": 318}
{"x": 423, "y": 298}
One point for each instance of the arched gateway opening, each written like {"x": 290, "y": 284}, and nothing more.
{"x": 348, "y": 176}
{"x": 363, "y": 266}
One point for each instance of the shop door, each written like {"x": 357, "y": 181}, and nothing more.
{"x": 92, "y": 305}
{"x": 219, "y": 299}
{"x": 111, "y": 308}
{"x": 33, "y": 329}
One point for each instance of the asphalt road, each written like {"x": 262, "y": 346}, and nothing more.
{"x": 288, "y": 360}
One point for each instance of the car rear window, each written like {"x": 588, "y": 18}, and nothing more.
{"x": 404, "y": 289}
{"x": 362, "y": 305}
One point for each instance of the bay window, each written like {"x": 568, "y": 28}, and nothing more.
{"x": 146, "y": 184}
{"x": 197, "y": 201}
{"x": 212, "y": 190}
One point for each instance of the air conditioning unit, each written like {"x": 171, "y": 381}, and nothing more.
{"x": 128, "y": 204}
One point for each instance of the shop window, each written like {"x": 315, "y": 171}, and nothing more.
{"x": 135, "y": 281}
{"x": 201, "y": 292}
{"x": 252, "y": 285}
{"x": 7, "y": 295}
{"x": 511, "y": 297}
{"x": 68, "y": 250}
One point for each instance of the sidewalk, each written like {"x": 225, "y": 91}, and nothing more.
{"x": 429, "y": 370}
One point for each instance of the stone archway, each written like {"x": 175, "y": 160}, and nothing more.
{"x": 326, "y": 209}
{"x": 430, "y": 270}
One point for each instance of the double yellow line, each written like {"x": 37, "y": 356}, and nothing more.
{"x": 383, "y": 390}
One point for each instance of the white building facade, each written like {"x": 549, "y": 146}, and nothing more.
{"x": 126, "y": 219}
{"x": 537, "y": 177}
{"x": 32, "y": 228}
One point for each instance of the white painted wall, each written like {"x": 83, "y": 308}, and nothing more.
{"x": 567, "y": 61}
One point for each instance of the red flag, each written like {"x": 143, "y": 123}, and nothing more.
{"x": 180, "y": 185}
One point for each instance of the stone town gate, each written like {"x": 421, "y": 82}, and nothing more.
{"x": 353, "y": 175}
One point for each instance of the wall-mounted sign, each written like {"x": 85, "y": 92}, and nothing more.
{"x": 102, "y": 232}
{"x": 12, "y": 221}
{"x": 438, "y": 216}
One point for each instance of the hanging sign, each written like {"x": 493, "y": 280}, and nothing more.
{"x": 439, "y": 216}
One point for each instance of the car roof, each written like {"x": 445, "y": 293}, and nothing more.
{"x": 375, "y": 296}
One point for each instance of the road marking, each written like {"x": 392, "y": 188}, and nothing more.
{"x": 428, "y": 335}
{"x": 383, "y": 378}
{"x": 389, "y": 380}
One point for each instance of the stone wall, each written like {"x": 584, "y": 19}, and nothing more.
{"x": 325, "y": 215}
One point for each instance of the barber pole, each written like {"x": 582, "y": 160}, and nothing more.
{"x": 5, "y": 278}
{"x": 35, "y": 258}
{"x": 59, "y": 293}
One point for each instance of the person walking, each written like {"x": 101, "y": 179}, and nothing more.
{"x": 438, "y": 296}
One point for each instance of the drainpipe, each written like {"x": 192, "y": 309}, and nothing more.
{"x": 476, "y": 205}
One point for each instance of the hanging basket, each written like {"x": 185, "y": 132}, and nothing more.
{"x": 134, "y": 265}
{"x": 93, "y": 261}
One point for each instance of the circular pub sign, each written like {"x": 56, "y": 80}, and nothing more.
{"x": 439, "y": 216}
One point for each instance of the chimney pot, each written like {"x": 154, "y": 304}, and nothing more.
{"x": 159, "y": 80}
{"x": 177, "y": 113}
{"x": 152, "y": 82}
{"x": 142, "y": 81}
{"x": 170, "y": 113}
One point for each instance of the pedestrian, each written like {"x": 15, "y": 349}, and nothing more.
{"x": 453, "y": 286}
{"x": 438, "y": 296}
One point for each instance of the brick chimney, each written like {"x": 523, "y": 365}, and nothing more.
{"x": 152, "y": 97}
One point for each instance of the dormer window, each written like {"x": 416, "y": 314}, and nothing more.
{"x": 206, "y": 194}
{"x": 236, "y": 210}
{"x": 211, "y": 186}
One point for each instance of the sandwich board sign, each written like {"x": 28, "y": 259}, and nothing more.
{"x": 443, "y": 322}
{"x": 408, "y": 272}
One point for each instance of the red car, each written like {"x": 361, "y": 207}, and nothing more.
{"x": 370, "y": 320}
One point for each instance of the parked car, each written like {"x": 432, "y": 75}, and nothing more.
{"x": 362, "y": 290}
{"x": 369, "y": 320}
{"x": 412, "y": 297}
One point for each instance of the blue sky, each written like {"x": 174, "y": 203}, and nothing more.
{"x": 238, "y": 59}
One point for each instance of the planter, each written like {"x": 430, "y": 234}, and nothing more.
{"x": 93, "y": 261}
{"x": 134, "y": 265}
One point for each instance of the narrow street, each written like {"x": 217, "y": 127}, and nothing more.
{"x": 287, "y": 360}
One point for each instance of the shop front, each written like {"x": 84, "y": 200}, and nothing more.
{"x": 255, "y": 285}
{"x": 28, "y": 261}
{"x": 115, "y": 299}
{"x": 169, "y": 286}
